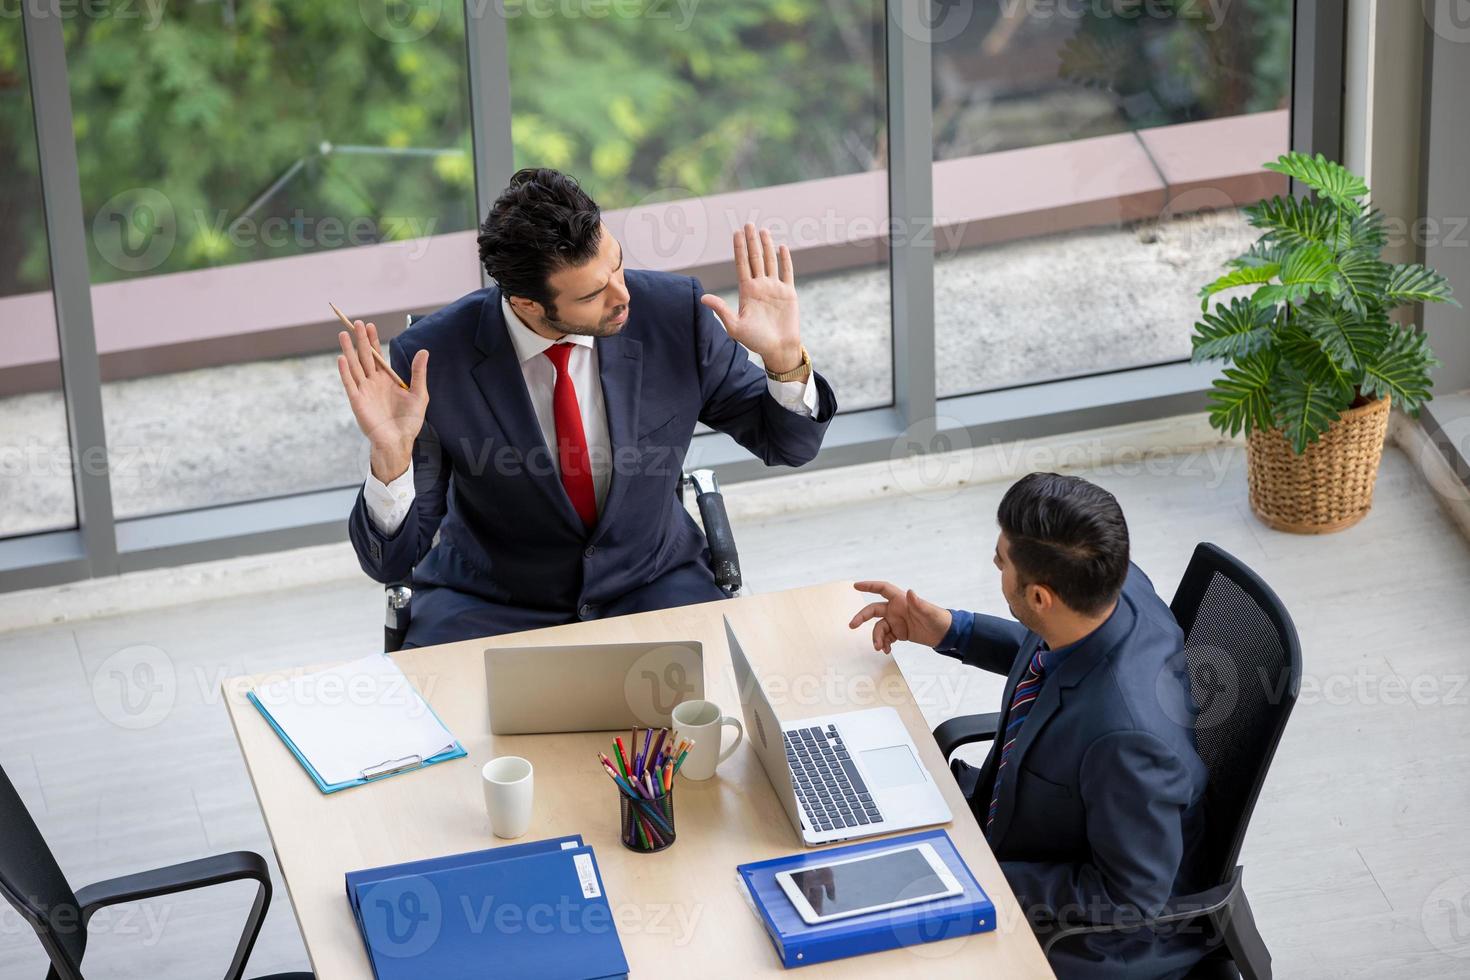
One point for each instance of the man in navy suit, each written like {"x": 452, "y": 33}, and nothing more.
{"x": 564, "y": 400}
{"x": 1091, "y": 796}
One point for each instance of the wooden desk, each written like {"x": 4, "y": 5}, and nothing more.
{"x": 678, "y": 912}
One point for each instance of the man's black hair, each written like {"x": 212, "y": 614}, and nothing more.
{"x": 1067, "y": 534}
{"x": 543, "y": 221}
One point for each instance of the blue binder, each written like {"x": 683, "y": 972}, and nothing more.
{"x": 456, "y": 751}
{"x": 541, "y": 911}
{"x": 800, "y": 944}
{"x": 358, "y": 880}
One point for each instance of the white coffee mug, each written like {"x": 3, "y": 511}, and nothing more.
{"x": 702, "y": 722}
{"x": 508, "y": 782}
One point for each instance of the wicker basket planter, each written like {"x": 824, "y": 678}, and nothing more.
{"x": 1327, "y": 488}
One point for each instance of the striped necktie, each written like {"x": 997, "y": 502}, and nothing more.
{"x": 1021, "y": 702}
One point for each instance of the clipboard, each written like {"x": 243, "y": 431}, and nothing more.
{"x": 373, "y": 773}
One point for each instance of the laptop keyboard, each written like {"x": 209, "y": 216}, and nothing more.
{"x": 827, "y": 784}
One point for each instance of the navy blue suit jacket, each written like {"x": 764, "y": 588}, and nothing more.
{"x": 486, "y": 481}
{"x": 1100, "y": 811}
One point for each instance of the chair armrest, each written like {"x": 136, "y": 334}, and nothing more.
{"x": 398, "y": 611}
{"x": 1182, "y": 909}
{"x": 724, "y": 559}
{"x": 217, "y": 870}
{"x": 965, "y": 729}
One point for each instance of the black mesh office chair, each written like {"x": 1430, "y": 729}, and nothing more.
{"x": 32, "y": 881}
{"x": 1245, "y": 670}
{"x": 724, "y": 559}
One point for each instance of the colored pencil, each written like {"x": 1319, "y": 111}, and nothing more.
{"x": 376, "y": 353}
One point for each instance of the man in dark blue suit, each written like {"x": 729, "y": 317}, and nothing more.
{"x": 564, "y": 400}
{"x": 1091, "y": 796}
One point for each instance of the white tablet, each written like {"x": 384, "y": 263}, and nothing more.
{"x": 869, "y": 882}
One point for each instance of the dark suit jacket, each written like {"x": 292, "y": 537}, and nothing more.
{"x": 485, "y": 479}
{"x": 1100, "y": 810}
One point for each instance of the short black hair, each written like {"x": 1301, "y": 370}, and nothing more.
{"x": 543, "y": 221}
{"x": 1069, "y": 535}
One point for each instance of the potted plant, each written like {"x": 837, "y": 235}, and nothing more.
{"x": 1314, "y": 361}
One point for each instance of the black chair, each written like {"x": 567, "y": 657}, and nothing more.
{"x": 724, "y": 559}
{"x": 1245, "y": 669}
{"x": 32, "y": 881}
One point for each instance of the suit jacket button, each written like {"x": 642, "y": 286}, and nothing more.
{"x": 585, "y": 612}
{"x": 591, "y": 550}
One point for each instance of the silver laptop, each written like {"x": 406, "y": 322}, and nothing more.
{"x": 593, "y": 687}
{"x": 856, "y": 774}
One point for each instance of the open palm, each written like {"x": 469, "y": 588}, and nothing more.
{"x": 768, "y": 321}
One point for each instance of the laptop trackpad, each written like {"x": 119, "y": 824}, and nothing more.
{"x": 892, "y": 766}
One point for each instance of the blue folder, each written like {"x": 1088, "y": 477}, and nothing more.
{"x": 540, "y": 911}
{"x": 357, "y": 881}
{"x": 800, "y": 944}
{"x": 456, "y": 751}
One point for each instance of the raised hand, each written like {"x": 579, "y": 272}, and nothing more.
{"x": 901, "y": 615}
{"x": 389, "y": 416}
{"x": 768, "y": 322}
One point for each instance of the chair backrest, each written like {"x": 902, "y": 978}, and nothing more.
{"x": 1245, "y": 669}
{"x": 31, "y": 880}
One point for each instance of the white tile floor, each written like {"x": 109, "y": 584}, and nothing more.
{"x": 1358, "y": 862}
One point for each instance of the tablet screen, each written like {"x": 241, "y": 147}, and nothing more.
{"x": 893, "y": 876}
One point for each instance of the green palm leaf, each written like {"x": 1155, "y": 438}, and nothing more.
{"x": 1332, "y": 180}
{"x": 1414, "y": 283}
{"x": 1305, "y": 358}
{"x": 1364, "y": 278}
{"x": 1233, "y": 331}
{"x": 1365, "y": 231}
{"x": 1304, "y": 407}
{"x": 1294, "y": 220}
{"x": 1262, "y": 253}
{"x": 1240, "y": 398}
{"x": 1346, "y": 337}
{"x": 1400, "y": 370}
{"x": 1250, "y": 276}
{"x": 1307, "y": 270}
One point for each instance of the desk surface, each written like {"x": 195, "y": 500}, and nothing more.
{"x": 678, "y": 912}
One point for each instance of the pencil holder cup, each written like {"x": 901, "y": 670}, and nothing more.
{"x": 647, "y": 825}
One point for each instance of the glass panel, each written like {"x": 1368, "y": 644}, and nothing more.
{"x": 242, "y": 165}
{"x": 684, "y": 120}
{"x": 1090, "y": 163}
{"x": 36, "y": 488}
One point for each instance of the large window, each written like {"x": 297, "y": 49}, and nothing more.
{"x": 686, "y": 120}
{"x": 1090, "y": 160}
{"x": 36, "y": 488}
{"x": 242, "y": 165}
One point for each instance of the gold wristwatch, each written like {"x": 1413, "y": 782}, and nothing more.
{"x": 795, "y": 374}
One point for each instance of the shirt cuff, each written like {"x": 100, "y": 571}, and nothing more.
{"x": 388, "y": 504}
{"x": 798, "y": 397}
{"x": 961, "y": 625}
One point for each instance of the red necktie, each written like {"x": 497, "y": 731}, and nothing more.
{"x": 571, "y": 441}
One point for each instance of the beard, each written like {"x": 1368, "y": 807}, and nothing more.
{"x": 606, "y": 327}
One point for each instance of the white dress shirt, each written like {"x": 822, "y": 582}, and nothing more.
{"x": 388, "y": 504}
